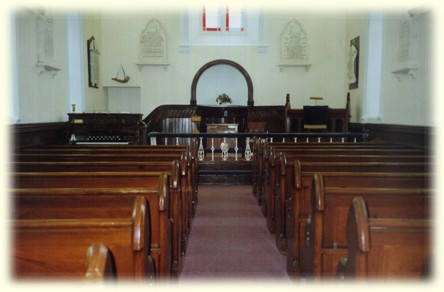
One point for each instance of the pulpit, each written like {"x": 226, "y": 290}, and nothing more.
{"x": 315, "y": 117}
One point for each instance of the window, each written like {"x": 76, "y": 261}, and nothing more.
{"x": 245, "y": 27}
{"x": 214, "y": 18}
{"x": 234, "y": 19}
{"x": 211, "y": 19}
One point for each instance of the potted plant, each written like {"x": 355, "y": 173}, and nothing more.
{"x": 223, "y": 98}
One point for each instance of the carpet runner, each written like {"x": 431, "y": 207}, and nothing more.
{"x": 229, "y": 238}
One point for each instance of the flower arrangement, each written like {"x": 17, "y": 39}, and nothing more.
{"x": 223, "y": 98}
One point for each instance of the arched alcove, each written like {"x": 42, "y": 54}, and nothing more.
{"x": 235, "y": 65}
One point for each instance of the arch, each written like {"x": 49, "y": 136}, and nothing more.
{"x": 208, "y": 65}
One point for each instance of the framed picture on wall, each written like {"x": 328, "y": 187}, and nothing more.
{"x": 353, "y": 64}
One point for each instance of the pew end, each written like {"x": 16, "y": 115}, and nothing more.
{"x": 100, "y": 265}
{"x": 381, "y": 248}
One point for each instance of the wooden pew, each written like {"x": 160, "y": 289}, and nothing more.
{"x": 299, "y": 212}
{"x": 191, "y": 153}
{"x": 187, "y": 164}
{"x": 159, "y": 201}
{"x": 183, "y": 194}
{"x": 189, "y": 150}
{"x": 296, "y": 178}
{"x": 93, "y": 157}
{"x": 272, "y": 173}
{"x": 262, "y": 148}
{"x": 275, "y": 206}
{"x": 273, "y": 157}
{"x": 325, "y": 236}
{"x": 386, "y": 248}
{"x": 97, "y": 157}
{"x": 100, "y": 265}
{"x": 56, "y": 248}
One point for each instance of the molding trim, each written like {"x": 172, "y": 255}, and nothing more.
{"x": 193, "y": 101}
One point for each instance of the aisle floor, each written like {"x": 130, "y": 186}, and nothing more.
{"x": 229, "y": 238}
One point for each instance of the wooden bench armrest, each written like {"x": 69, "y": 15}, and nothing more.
{"x": 99, "y": 264}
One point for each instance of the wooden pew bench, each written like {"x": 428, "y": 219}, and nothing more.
{"x": 325, "y": 236}
{"x": 188, "y": 165}
{"x": 273, "y": 170}
{"x": 269, "y": 181}
{"x": 386, "y": 248}
{"x": 190, "y": 153}
{"x": 183, "y": 194}
{"x": 295, "y": 179}
{"x": 55, "y": 248}
{"x": 300, "y": 213}
{"x": 274, "y": 206}
{"x": 262, "y": 148}
{"x": 159, "y": 202}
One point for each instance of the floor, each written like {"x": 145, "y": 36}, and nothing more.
{"x": 229, "y": 239}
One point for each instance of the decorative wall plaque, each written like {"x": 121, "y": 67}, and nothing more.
{"x": 153, "y": 45}
{"x": 46, "y": 53}
{"x": 407, "y": 48}
{"x": 294, "y": 45}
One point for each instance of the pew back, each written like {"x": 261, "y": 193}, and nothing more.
{"x": 47, "y": 248}
{"x": 154, "y": 183}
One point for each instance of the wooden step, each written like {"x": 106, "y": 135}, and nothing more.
{"x": 225, "y": 172}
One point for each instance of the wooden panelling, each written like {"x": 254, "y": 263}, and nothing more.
{"x": 413, "y": 136}
{"x": 38, "y": 134}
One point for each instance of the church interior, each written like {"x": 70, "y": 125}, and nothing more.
{"x": 221, "y": 142}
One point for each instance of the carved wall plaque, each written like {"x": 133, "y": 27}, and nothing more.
{"x": 46, "y": 50}
{"x": 294, "y": 45}
{"x": 407, "y": 48}
{"x": 153, "y": 45}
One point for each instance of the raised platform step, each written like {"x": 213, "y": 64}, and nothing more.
{"x": 225, "y": 172}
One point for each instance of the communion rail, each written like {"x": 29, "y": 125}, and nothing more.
{"x": 240, "y": 143}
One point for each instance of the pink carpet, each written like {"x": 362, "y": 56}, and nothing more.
{"x": 229, "y": 238}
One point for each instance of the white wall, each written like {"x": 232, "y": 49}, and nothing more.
{"x": 43, "y": 98}
{"x": 172, "y": 84}
{"x": 407, "y": 101}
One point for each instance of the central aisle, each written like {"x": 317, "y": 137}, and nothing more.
{"x": 229, "y": 238}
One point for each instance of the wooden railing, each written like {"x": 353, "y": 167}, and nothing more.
{"x": 242, "y": 142}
